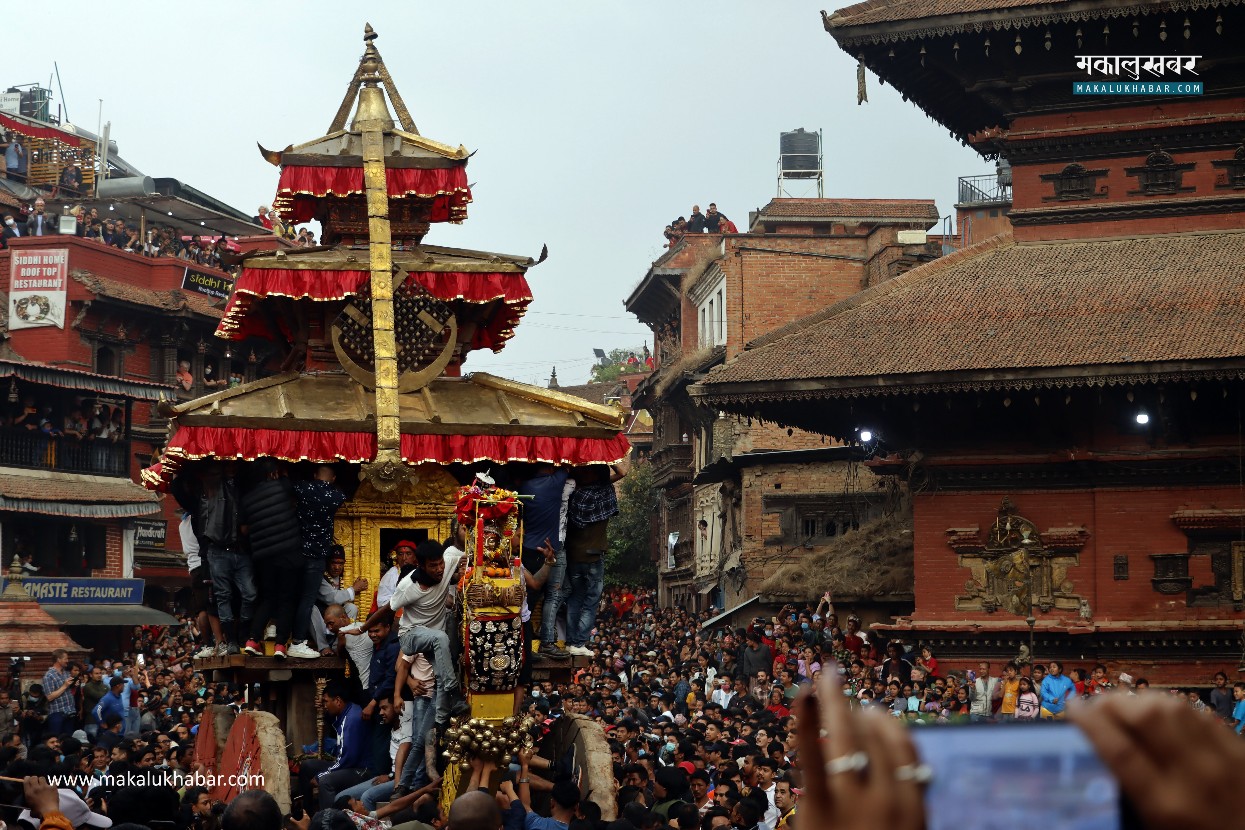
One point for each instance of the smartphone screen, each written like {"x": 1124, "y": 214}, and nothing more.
{"x": 1009, "y": 775}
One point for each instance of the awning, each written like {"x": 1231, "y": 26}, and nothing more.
{"x": 85, "y": 381}
{"x": 109, "y": 615}
{"x": 709, "y": 623}
{"x": 707, "y": 589}
{"x": 74, "y": 496}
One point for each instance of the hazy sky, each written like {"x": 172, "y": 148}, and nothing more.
{"x": 595, "y": 123}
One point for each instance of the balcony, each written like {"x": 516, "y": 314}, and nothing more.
{"x": 36, "y": 451}
{"x": 672, "y": 464}
{"x": 985, "y": 190}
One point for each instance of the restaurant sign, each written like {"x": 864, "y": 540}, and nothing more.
{"x": 210, "y": 285}
{"x": 38, "y": 282}
{"x": 57, "y": 590}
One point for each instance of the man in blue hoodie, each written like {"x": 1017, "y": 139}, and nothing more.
{"x": 354, "y": 747}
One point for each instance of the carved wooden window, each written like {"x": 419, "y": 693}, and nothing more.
{"x": 1160, "y": 175}
{"x": 1074, "y": 183}
{"x": 1234, "y": 177}
{"x": 1171, "y": 573}
{"x": 1120, "y": 568}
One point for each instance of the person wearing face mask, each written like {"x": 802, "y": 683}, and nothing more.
{"x": 10, "y": 230}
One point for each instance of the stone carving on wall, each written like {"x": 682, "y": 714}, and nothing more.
{"x": 1016, "y": 569}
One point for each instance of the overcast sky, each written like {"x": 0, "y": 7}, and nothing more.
{"x": 595, "y": 123}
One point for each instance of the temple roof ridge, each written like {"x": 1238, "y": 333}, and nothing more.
{"x": 366, "y": 97}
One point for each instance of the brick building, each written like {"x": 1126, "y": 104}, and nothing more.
{"x": 723, "y": 525}
{"x": 1063, "y": 399}
{"x": 118, "y": 328}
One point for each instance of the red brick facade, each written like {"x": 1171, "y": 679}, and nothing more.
{"x": 800, "y": 255}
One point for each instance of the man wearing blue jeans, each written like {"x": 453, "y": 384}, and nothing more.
{"x": 424, "y": 660}
{"x": 543, "y": 495}
{"x": 588, "y": 511}
{"x": 231, "y": 568}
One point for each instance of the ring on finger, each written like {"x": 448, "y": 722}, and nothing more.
{"x": 852, "y": 762}
{"x": 918, "y": 773}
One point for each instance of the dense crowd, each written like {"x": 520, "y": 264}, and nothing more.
{"x": 704, "y": 723}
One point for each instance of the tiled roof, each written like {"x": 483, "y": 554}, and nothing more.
{"x": 1005, "y": 306}
{"x": 78, "y": 489}
{"x": 170, "y": 300}
{"x": 880, "y": 11}
{"x": 917, "y": 209}
{"x": 595, "y": 392}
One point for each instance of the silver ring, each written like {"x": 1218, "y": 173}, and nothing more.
{"x": 853, "y": 762}
{"x": 918, "y": 773}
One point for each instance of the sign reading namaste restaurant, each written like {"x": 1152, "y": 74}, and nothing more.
{"x": 210, "y": 285}
{"x": 55, "y": 590}
{"x": 37, "y": 286}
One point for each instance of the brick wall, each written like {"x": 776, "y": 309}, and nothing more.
{"x": 1121, "y": 522}
{"x": 764, "y": 552}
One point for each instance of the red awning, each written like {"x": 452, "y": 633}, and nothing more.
{"x": 511, "y": 288}
{"x": 300, "y": 186}
{"x": 327, "y": 447}
{"x": 22, "y": 128}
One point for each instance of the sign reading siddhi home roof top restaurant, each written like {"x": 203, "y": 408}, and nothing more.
{"x": 210, "y": 285}
{"x": 38, "y": 281}
{"x": 56, "y": 590}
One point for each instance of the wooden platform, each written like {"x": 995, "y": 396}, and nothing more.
{"x": 247, "y": 661}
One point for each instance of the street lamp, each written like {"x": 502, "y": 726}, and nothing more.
{"x": 1030, "y": 620}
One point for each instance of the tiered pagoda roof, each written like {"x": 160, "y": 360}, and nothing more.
{"x": 378, "y": 323}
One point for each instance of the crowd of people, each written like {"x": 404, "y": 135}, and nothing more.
{"x": 70, "y": 433}
{"x": 697, "y": 222}
{"x": 706, "y": 725}
{"x": 160, "y": 241}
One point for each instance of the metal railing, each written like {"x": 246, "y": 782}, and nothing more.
{"x": 987, "y": 189}
{"x": 37, "y": 451}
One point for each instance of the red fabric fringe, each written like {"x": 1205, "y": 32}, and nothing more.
{"x": 328, "y": 447}
{"x": 238, "y": 324}
{"x": 22, "y": 128}
{"x": 300, "y": 186}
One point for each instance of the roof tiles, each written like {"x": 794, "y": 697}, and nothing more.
{"x": 1001, "y": 305}
{"x": 883, "y": 11}
{"x": 922, "y": 209}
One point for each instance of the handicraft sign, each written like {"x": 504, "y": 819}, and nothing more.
{"x": 38, "y": 282}
{"x": 150, "y": 534}
{"x": 1016, "y": 569}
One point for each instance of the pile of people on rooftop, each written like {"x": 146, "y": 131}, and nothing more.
{"x": 697, "y": 222}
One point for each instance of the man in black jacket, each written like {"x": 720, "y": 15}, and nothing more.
{"x": 269, "y": 517}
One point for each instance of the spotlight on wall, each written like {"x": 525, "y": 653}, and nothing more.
{"x": 1142, "y": 417}
{"x": 866, "y": 435}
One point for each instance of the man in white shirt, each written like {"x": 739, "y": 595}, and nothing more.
{"x": 423, "y": 593}
{"x": 724, "y": 694}
{"x": 403, "y": 560}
